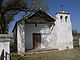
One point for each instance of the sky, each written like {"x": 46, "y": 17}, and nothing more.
{"x": 71, "y": 6}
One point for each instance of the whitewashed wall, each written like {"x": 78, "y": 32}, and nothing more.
{"x": 48, "y": 39}
{"x": 79, "y": 42}
{"x": 21, "y": 37}
{"x": 64, "y": 32}
{"x": 54, "y": 37}
{"x": 5, "y": 46}
{"x": 48, "y": 35}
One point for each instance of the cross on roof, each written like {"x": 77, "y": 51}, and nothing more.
{"x": 62, "y": 7}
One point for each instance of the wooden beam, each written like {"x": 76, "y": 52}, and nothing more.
{"x": 39, "y": 22}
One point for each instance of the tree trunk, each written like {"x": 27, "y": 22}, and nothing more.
{"x": 2, "y": 23}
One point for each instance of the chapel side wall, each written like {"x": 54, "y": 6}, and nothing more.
{"x": 21, "y": 37}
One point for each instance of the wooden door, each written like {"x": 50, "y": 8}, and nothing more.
{"x": 36, "y": 40}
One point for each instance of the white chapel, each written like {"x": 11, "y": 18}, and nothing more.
{"x": 40, "y": 30}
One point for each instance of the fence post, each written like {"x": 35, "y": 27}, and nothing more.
{"x": 5, "y": 55}
{"x": 79, "y": 42}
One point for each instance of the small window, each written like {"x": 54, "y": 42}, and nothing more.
{"x": 61, "y": 17}
{"x": 66, "y": 18}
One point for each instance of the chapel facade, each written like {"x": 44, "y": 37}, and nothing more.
{"x": 40, "y": 30}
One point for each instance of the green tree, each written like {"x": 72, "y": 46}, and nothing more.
{"x": 74, "y": 31}
{"x": 9, "y": 8}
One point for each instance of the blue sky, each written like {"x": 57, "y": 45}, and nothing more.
{"x": 72, "y": 6}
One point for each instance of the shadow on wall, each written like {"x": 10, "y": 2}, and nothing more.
{"x": 49, "y": 39}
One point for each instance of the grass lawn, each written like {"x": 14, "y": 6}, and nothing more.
{"x": 73, "y": 54}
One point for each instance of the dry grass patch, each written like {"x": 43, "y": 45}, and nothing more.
{"x": 73, "y": 54}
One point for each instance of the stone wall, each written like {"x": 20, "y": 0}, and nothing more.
{"x": 5, "y": 44}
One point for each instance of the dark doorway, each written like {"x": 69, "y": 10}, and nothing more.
{"x": 36, "y": 40}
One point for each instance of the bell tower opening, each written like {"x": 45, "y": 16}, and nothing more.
{"x": 66, "y": 17}
{"x": 63, "y": 16}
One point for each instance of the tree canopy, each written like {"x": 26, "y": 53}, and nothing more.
{"x": 9, "y": 8}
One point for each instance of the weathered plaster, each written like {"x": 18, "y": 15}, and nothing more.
{"x": 64, "y": 32}
{"x": 58, "y": 36}
{"x": 5, "y": 44}
{"x": 21, "y": 37}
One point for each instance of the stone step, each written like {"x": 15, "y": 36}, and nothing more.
{"x": 37, "y": 51}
